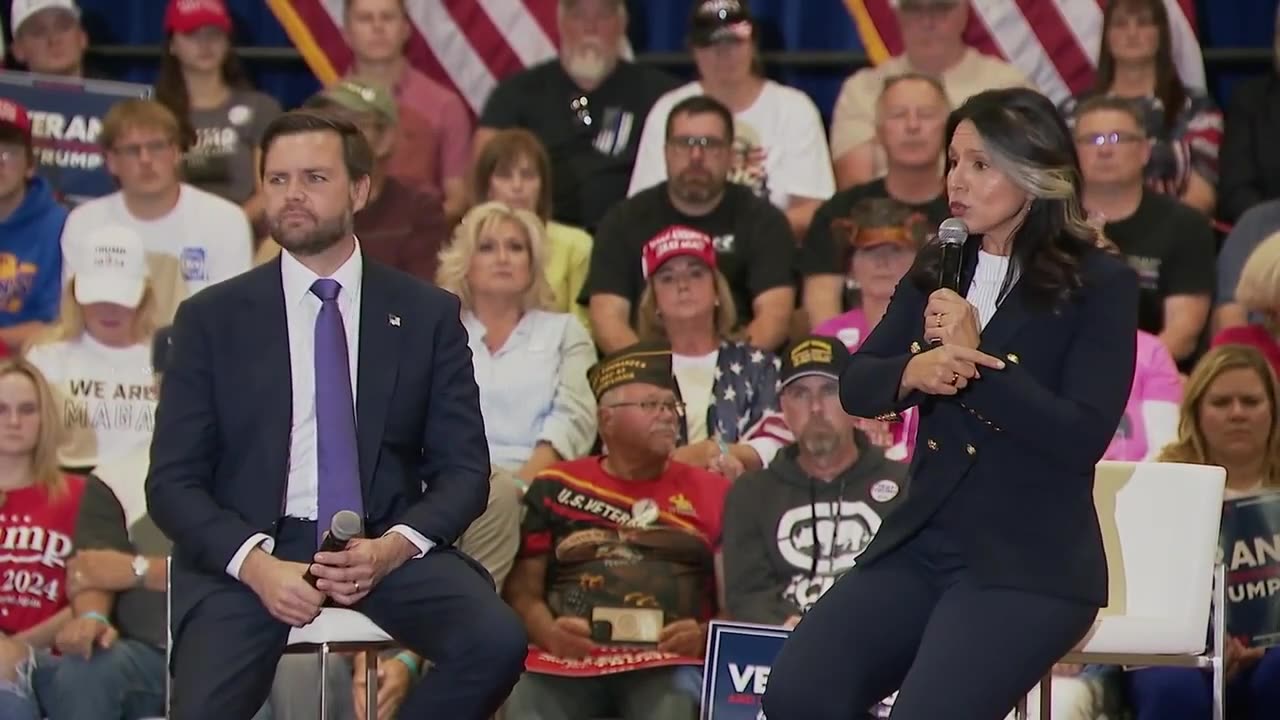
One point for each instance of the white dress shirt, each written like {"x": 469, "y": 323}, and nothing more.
{"x": 302, "y": 307}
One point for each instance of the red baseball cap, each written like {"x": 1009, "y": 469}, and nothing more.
{"x": 14, "y": 115}
{"x": 674, "y": 241}
{"x": 188, "y": 16}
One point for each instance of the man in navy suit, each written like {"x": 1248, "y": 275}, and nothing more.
{"x": 316, "y": 383}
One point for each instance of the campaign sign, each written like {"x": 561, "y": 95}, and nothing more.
{"x": 739, "y": 658}
{"x": 1250, "y": 545}
{"x": 66, "y": 118}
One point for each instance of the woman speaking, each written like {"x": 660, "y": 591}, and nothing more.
{"x": 993, "y": 568}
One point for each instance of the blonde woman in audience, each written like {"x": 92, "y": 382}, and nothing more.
{"x": 36, "y": 500}
{"x": 1228, "y": 418}
{"x": 513, "y": 167}
{"x": 728, "y": 386}
{"x": 530, "y": 362}
{"x": 97, "y": 355}
{"x": 1258, "y": 292}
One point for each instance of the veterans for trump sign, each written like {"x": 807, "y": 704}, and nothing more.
{"x": 1250, "y": 547}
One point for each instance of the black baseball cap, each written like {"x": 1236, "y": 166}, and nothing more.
{"x": 814, "y": 355}
{"x": 715, "y": 21}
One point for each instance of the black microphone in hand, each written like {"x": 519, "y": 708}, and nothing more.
{"x": 952, "y": 234}
{"x": 344, "y": 526}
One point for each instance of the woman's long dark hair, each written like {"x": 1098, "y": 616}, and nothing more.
{"x": 1027, "y": 139}
{"x": 1169, "y": 87}
{"x": 171, "y": 86}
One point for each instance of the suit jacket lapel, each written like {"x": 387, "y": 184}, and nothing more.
{"x": 376, "y": 370}
{"x": 265, "y": 310}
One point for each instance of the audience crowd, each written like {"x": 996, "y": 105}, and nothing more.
{"x": 660, "y": 284}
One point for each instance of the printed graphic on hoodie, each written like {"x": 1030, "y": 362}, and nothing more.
{"x": 822, "y": 541}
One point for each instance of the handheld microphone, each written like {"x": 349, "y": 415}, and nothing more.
{"x": 345, "y": 525}
{"x": 952, "y": 234}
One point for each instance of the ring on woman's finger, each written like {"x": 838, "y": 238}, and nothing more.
{"x": 955, "y": 378}
{"x": 939, "y": 319}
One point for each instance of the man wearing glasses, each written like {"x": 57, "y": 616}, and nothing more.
{"x": 1170, "y": 245}
{"x": 207, "y": 236}
{"x": 752, "y": 238}
{"x": 616, "y": 577}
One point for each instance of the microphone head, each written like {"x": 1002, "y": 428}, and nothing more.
{"x": 953, "y": 231}
{"x": 346, "y": 524}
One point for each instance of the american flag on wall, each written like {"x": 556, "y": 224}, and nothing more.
{"x": 468, "y": 45}
{"x": 1053, "y": 42}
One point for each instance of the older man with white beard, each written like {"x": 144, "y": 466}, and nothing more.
{"x": 587, "y": 107}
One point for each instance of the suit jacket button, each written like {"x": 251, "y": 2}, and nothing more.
{"x": 933, "y": 444}
{"x": 971, "y": 449}
{"x": 915, "y": 346}
{"x": 1012, "y": 357}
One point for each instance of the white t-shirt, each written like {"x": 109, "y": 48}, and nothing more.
{"x": 105, "y": 396}
{"x": 696, "y": 375}
{"x": 780, "y": 146}
{"x": 209, "y": 236}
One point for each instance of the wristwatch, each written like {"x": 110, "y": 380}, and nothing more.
{"x": 140, "y": 567}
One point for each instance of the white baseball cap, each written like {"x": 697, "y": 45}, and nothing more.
{"x": 22, "y": 10}
{"x": 108, "y": 265}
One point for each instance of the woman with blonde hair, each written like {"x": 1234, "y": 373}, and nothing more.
{"x": 728, "y": 387}
{"x": 1258, "y": 292}
{"x": 97, "y": 355}
{"x": 1228, "y": 418}
{"x": 530, "y": 362}
{"x": 36, "y": 500}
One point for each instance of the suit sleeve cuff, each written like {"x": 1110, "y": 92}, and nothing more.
{"x": 257, "y": 539}
{"x": 424, "y": 545}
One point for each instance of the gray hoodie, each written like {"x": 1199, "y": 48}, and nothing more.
{"x": 773, "y": 567}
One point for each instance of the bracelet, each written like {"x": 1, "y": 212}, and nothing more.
{"x": 95, "y": 615}
{"x": 409, "y": 661}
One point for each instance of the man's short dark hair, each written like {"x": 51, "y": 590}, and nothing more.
{"x": 357, "y": 156}
{"x": 702, "y": 105}
{"x": 1100, "y": 103}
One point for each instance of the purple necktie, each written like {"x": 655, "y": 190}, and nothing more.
{"x": 338, "y": 464}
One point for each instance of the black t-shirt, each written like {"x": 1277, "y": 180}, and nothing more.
{"x": 590, "y": 164}
{"x": 1171, "y": 247}
{"x": 821, "y": 254}
{"x": 754, "y": 246}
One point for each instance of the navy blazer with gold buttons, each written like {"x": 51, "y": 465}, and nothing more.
{"x": 1005, "y": 467}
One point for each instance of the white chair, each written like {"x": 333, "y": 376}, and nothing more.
{"x": 1160, "y": 524}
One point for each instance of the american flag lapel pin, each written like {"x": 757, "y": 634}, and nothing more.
{"x": 393, "y": 319}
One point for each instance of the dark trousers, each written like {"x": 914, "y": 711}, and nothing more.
{"x": 917, "y": 621}
{"x": 440, "y": 606}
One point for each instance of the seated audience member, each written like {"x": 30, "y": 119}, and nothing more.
{"x": 209, "y": 236}
{"x": 31, "y": 223}
{"x": 97, "y": 355}
{"x": 1169, "y": 245}
{"x": 753, "y": 242}
{"x": 1250, "y": 158}
{"x": 779, "y": 145}
{"x": 203, "y": 84}
{"x": 911, "y": 115}
{"x": 117, "y": 583}
{"x": 631, "y": 535}
{"x": 513, "y": 168}
{"x": 1250, "y": 231}
{"x": 933, "y": 45}
{"x": 1150, "y": 418}
{"x": 491, "y": 540}
{"x": 587, "y": 106}
{"x": 726, "y": 385}
{"x": 531, "y": 364}
{"x": 398, "y": 226}
{"x": 433, "y": 120}
{"x": 1183, "y": 128}
{"x": 1258, "y": 293}
{"x": 49, "y": 39}
{"x": 1229, "y": 419}
{"x": 38, "y": 502}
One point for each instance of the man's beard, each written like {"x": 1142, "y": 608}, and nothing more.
{"x": 316, "y": 240}
{"x": 704, "y": 189}
{"x": 588, "y": 64}
{"x": 819, "y": 439}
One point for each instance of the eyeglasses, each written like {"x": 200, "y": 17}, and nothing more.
{"x": 1114, "y": 138}
{"x": 653, "y": 406}
{"x": 581, "y": 107}
{"x": 684, "y": 144}
{"x": 133, "y": 151}
{"x": 10, "y": 155}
